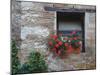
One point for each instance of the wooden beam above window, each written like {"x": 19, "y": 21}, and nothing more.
{"x": 68, "y": 10}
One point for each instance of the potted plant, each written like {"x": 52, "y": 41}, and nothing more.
{"x": 63, "y": 46}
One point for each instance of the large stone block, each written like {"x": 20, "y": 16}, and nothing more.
{"x": 90, "y": 33}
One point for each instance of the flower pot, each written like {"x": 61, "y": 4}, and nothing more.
{"x": 77, "y": 50}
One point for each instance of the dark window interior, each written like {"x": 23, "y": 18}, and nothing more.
{"x": 71, "y": 21}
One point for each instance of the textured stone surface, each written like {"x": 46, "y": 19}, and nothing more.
{"x": 84, "y": 7}
{"x": 37, "y": 31}
{"x": 34, "y": 6}
{"x": 15, "y": 22}
{"x": 72, "y": 62}
{"x": 31, "y": 25}
{"x": 90, "y": 32}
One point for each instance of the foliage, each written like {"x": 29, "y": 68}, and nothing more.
{"x": 64, "y": 45}
{"x": 75, "y": 40}
{"x": 35, "y": 64}
{"x": 24, "y": 69}
{"x": 15, "y": 62}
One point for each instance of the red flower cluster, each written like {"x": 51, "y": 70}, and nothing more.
{"x": 57, "y": 45}
{"x": 60, "y": 47}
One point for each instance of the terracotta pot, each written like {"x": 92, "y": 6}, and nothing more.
{"x": 77, "y": 50}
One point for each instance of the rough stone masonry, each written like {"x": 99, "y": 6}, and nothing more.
{"x": 31, "y": 24}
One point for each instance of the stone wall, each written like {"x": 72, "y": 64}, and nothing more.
{"x": 36, "y": 25}
{"x": 32, "y": 24}
{"x": 15, "y": 21}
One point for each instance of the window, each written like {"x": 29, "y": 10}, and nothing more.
{"x": 68, "y": 22}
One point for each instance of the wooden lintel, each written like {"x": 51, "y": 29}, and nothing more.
{"x": 68, "y": 10}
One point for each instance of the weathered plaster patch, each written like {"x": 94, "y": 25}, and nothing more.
{"x": 36, "y": 31}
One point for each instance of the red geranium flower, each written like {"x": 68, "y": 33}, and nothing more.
{"x": 75, "y": 38}
{"x": 60, "y": 43}
{"x": 66, "y": 44}
{"x": 57, "y": 40}
{"x": 57, "y": 45}
{"x": 55, "y": 36}
{"x": 50, "y": 43}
